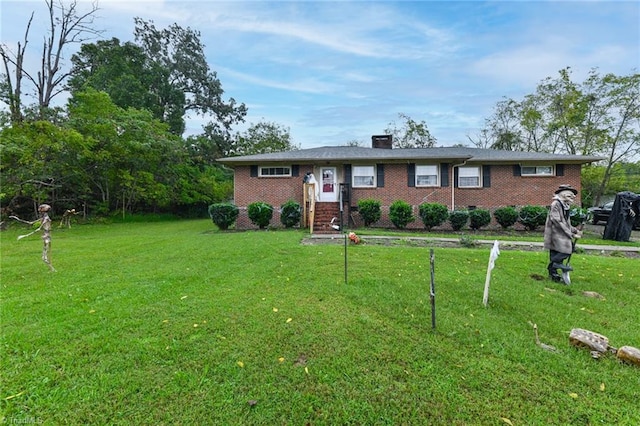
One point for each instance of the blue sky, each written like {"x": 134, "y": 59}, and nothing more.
{"x": 334, "y": 72}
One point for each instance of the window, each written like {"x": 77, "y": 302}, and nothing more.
{"x": 426, "y": 175}
{"x": 275, "y": 171}
{"x": 469, "y": 177}
{"x": 364, "y": 177}
{"x": 537, "y": 171}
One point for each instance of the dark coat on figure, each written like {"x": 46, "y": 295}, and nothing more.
{"x": 621, "y": 220}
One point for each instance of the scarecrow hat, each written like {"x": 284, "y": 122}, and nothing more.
{"x": 566, "y": 188}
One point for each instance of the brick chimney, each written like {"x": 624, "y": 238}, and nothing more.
{"x": 382, "y": 141}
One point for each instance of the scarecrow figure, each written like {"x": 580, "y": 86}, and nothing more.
{"x": 559, "y": 235}
{"x": 66, "y": 218}
{"x": 45, "y": 226}
{"x": 624, "y": 214}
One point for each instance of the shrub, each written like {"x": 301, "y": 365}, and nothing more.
{"x": 433, "y": 214}
{"x": 506, "y": 216}
{"x": 260, "y": 214}
{"x": 290, "y": 213}
{"x": 578, "y": 216}
{"x": 223, "y": 215}
{"x": 401, "y": 214}
{"x": 467, "y": 241}
{"x": 479, "y": 218}
{"x": 532, "y": 217}
{"x": 370, "y": 210}
{"x": 458, "y": 219}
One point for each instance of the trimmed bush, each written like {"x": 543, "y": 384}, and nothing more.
{"x": 532, "y": 217}
{"x": 370, "y": 210}
{"x": 458, "y": 219}
{"x": 578, "y": 216}
{"x": 401, "y": 214}
{"x": 433, "y": 214}
{"x": 290, "y": 213}
{"x": 506, "y": 216}
{"x": 223, "y": 215}
{"x": 479, "y": 218}
{"x": 260, "y": 214}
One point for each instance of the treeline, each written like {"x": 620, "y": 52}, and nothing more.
{"x": 599, "y": 116}
{"x": 117, "y": 144}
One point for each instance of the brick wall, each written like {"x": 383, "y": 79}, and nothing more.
{"x": 505, "y": 190}
{"x": 272, "y": 190}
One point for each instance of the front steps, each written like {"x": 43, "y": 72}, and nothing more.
{"x": 324, "y": 213}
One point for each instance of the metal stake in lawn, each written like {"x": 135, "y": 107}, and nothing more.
{"x": 346, "y": 244}
{"x": 432, "y": 293}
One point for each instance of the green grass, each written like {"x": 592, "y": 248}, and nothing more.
{"x": 176, "y": 323}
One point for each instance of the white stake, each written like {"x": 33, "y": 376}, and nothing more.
{"x": 495, "y": 252}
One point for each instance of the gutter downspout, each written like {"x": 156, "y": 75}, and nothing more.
{"x": 453, "y": 184}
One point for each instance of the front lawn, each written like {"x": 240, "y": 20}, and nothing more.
{"x": 177, "y": 323}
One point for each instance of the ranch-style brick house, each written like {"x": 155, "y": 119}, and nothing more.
{"x": 458, "y": 177}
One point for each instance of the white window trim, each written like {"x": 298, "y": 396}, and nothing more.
{"x": 373, "y": 180}
{"x": 523, "y": 166}
{"x": 477, "y": 175}
{"x": 437, "y": 175}
{"x": 276, "y": 175}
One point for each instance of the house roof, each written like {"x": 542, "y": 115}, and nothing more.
{"x": 343, "y": 154}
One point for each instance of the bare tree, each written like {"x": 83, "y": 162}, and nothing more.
{"x": 11, "y": 92}
{"x": 66, "y": 26}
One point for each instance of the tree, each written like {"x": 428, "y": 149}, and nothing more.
{"x": 187, "y": 83}
{"x": 121, "y": 70}
{"x": 411, "y": 134}
{"x": 598, "y": 117}
{"x": 618, "y": 117}
{"x": 134, "y": 162}
{"x": 623, "y": 177}
{"x": 66, "y": 26}
{"x": 35, "y": 164}
{"x": 262, "y": 138}
{"x": 163, "y": 71}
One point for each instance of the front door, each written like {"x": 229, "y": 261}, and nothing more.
{"x": 328, "y": 184}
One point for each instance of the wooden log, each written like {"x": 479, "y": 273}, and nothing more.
{"x": 590, "y": 340}
{"x": 629, "y": 354}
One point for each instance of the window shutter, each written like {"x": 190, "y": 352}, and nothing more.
{"x": 517, "y": 171}
{"x": 455, "y": 177}
{"x": 559, "y": 169}
{"x": 347, "y": 174}
{"x": 254, "y": 171}
{"x": 444, "y": 174}
{"x": 486, "y": 176}
{"x": 411, "y": 175}
{"x": 380, "y": 175}
{"x": 295, "y": 170}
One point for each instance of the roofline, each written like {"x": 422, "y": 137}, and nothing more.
{"x": 232, "y": 161}
{"x": 343, "y": 154}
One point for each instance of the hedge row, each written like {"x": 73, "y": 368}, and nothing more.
{"x": 435, "y": 214}
{"x": 224, "y": 215}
